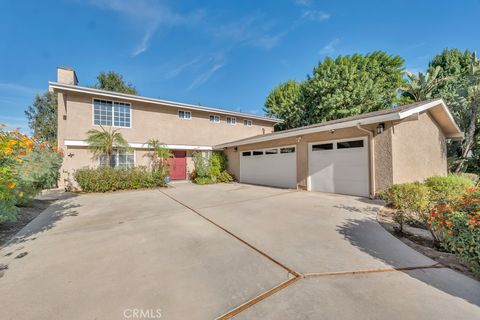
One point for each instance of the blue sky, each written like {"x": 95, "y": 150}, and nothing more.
{"x": 217, "y": 53}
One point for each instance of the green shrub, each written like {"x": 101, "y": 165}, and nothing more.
{"x": 225, "y": 177}
{"x": 39, "y": 170}
{"x": 203, "y": 180}
{"x": 459, "y": 227}
{"x": 449, "y": 189}
{"x": 410, "y": 200}
{"x": 111, "y": 179}
{"x": 210, "y": 169}
{"x": 201, "y": 164}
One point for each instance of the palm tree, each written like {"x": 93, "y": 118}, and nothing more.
{"x": 419, "y": 87}
{"x": 103, "y": 143}
{"x": 160, "y": 156}
{"x": 470, "y": 96}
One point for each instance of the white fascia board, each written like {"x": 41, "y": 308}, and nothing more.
{"x": 82, "y": 143}
{"x": 377, "y": 119}
{"x": 341, "y": 125}
{"x": 117, "y": 95}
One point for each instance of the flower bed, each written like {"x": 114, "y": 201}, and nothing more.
{"x": 26, "y": 167}
{"x": 458, "y": 227}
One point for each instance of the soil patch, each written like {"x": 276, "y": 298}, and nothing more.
{"x": 422, "y": 241}
{"x": 25, "y": 215}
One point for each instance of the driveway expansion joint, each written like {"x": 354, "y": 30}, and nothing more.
{"x": 296, "y": 276}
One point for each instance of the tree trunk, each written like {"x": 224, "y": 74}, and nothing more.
{"x": 469, "y": 134}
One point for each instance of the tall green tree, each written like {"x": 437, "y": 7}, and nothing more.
{"x": 284, "y": 102}
{"x": 457, "y": 68}
{"x": 42, "y": 117}
{"x": 104, "y": 142}
{"x": 351, "y": 85}
{"x": 419, "y": 87}
{"x": 113, "y": 81}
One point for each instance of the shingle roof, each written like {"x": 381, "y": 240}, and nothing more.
{"x": 338, "y": 121}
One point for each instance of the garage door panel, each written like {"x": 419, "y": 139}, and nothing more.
{"x": 277, "y": 170}
{"x": 339, "y": 170}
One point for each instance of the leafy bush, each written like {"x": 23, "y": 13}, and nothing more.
{"x": 212, "y": 169}
{"x": 224, "y": 176}
{"x": 111, "y": 179}
{"x": 449, "y": 189}
{"x": 26, "y": 167}
{"x": 411, "y": 200}
{"x": 203, "y": 180}
{"x": 459, "y": 227}
{"x": 201, "y": 164}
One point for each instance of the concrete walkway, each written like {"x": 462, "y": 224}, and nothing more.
{"x": 199, "y": 252}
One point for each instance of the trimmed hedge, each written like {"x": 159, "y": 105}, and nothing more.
{"x": 112, "y": 179}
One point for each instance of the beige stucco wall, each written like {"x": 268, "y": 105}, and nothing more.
{"x": 419, "y": 150}
{"x": 75, "y": 118}
{"x": 405, "y": 152}
{"x": 301, "y": 142}
{"x": 160, "y": 122}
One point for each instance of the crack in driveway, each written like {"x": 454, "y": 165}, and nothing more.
{"x": 296, "y": 276}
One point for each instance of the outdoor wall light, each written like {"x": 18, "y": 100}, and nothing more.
{"x": 380, "y": 128}
{"x": 332, "y": 131}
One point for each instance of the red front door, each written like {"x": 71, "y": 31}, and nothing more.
{"x": 178, "y": 165}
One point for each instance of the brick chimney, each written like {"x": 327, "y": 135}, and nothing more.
{"x": 66, "y": 75}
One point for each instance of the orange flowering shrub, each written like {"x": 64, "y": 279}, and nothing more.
{"x": 21, "y": 174}
{"x": 459, "y": 227}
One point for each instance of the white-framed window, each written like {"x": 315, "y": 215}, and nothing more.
{"x": 112, "y": 113}
{"x": 120, "y": 158}
{"x": 232, "y": 120}
{"x": 247, "y": 123}
{"x": 186, "y": 115}
{"x": 214, "y": 118}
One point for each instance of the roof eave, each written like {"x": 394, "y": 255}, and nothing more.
{"x": 60, "y": 86}
{"x": 457, "y": 135}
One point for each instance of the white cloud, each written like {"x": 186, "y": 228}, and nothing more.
{"x": 315, "y": 15}
{"x": 179, "y": 69}
{"x": 304, "y": 3}
{"x": 252, "y": 31}
{"x": 331, "y": 47}
{"x": 17, "y": 89}
{"x": 148, "y": 16}
{"x": 205, "y": 76}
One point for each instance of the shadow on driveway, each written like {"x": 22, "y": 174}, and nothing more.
{"x": 46, "y": 220}
{"x": 366, "y": 236}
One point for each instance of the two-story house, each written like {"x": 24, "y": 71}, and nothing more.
{"x": 182, "y": 127}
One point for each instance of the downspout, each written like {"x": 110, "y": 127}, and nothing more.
{"x": 371, "y": 150}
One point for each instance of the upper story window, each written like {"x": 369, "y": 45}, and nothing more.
{"x": 231, "y": 120}
{"x": 214, "y": 118}
{"x": 247, "y": 123}
{"x": 187, "y": 115}
{"x": 110, "y": 113}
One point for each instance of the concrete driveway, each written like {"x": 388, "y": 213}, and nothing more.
{"x": 200, "y": 252}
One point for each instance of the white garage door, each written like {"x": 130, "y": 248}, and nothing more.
{"x": 276, "y": 167}
{"x": 339, "y": 166}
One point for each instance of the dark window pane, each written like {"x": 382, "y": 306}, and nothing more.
{"x": 350, "y": 144}
{"x": 287, "y": 150}
{"x": 246, "y": 153}
{"x": 323, "y": 146}
{"x": 257, "y": 153}
{"x": 271, "y": 151}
